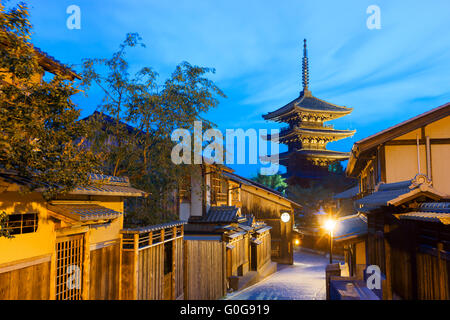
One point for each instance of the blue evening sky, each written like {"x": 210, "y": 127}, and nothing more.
{"x": 386, "y": 75}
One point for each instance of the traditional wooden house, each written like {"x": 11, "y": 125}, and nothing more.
{"x": 271, "y": 207}
{"x": 351, "y": 234}
{"x": 66, "y": 248}
{"x": 344, "y": 201}
{"x": 246, "y": 248}
{"x": 211, "y": 186}
{"x": 404, "y": 190}
{"x": 231, "y": 219}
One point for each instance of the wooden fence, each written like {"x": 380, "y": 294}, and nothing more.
{"x": 261, "y": 249}
{"x": 152, "y": 263}
{"x": 237, "y": 254}
{"x": 433, "y": 266}
{"x": 205, "y": 264}
{"x": 26, "y": 279}
{"x": 104, "y": 272}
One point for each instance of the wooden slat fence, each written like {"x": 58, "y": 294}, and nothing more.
{"x": 152, "y": 263}
{"x": 204, "y": 269}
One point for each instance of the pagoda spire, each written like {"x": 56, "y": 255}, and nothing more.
{"x": 305, "y": 71}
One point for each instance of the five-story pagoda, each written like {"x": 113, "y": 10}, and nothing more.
{"x": 307, "y": 136}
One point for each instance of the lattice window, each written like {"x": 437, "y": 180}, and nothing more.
{"x": 22, "y": 223}
{"x": 219, "y": 188}
{"x": 69, "y": 267}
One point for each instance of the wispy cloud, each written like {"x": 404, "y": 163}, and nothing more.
{"x": 386, "y": 75}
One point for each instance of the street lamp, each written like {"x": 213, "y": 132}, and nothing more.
{"x": 329, "y": 225}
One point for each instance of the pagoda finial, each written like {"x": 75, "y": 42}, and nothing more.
{"x": 305, "y": 71}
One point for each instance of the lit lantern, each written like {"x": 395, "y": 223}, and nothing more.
{"x": 285, "y": 217}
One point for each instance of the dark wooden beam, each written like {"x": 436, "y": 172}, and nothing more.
{"x": 407, "y": 142}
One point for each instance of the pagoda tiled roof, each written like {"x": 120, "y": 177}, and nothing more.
{"x": 338, "y": 155}
{"x": 316, "y": 132}
{"x": 307, "y": 103}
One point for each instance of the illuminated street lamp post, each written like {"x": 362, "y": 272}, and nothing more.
{"x": 330, "y": 224}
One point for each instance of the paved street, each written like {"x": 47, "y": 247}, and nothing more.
{"x": 304, "y": 280}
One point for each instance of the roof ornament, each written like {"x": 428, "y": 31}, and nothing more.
{"x": 420, "y": 179}
{"x": 305, "y": 71}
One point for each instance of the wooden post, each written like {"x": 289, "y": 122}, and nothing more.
{"x": 224, "y": 268}
{"x": 174, "y": 248}
{"x": 161, "y": 269}
{"x": 120, "y": 266}
{"x": 185, "y": 271}
{"x": 52, "y": 291}
{"x": 442, "y": 273}
{"x": 387, "y": 259}
{"x": 135, "y": 267}
{"x": 86, "y": 267}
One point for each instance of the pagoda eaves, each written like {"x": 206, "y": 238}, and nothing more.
{"x": 307, "y": 108}
{"x": 306, "y": 135}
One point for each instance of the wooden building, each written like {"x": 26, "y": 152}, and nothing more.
{"x": 211, "y": 186}
{"x": 237, "y": 246}
{"x": 351, "y": 234}
{"x": 268, "y": 205}
{"x": 404, "y": 191}
{"x": 66, "y": 248}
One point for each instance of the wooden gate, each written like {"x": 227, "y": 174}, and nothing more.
{"x": 69, "y": 267}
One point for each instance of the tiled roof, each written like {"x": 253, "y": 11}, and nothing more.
{"x": 436, "y": 207}
{"x": 263, "y": 229}
{"x": 155, "y": 227}
{"x": 109, "y": 185}
{"x": 426, "y": 216}
{"x": 398, "y": 193}
{"x": 84, "y": 212}
{"x": 222, "y": 214}
{"x": 315, "y": 153}
{"x": 347, "y": 194}
{"x": 46, "y": 61}
{"x": 239, "y": 179}
{"x": 314, "y": 132}
{"x": 101, "y": 185}
{"x": 54, "y": 63}
{"x": 349, "y": 227}
{"x": 103, "y": 117}
{"x": 308, "y": 103}
{"x": 429, "y": 211}
{"x": 385, "y": 193}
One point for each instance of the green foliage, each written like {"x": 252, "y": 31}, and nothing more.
{"x": 142, "y": 151}
{"x": 310, "y": 197}
{"x": 4, "y": 232}
{"x": 276, "y": 181}
{"x": 40, "y": 136}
